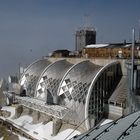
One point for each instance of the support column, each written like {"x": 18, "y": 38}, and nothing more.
{"x": 57, "y": 123}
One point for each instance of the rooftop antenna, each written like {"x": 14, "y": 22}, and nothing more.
{"x": 87, "y": 21}
{"x": 139, "y": 31}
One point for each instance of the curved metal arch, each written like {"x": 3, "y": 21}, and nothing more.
{"x": 90, "y": 90}
{"x": 29, "y": 66}
{"x": 68, "y": 73}
{"x": 34, "y": 70}
{"x": 45, "y": 71}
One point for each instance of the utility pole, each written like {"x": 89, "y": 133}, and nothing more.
{"x": 139, "y": 32}
{"x": 86, "y": 24}
{"x": 132, "y": 71}
{"x": 18, "y": 71}
{"x": 132, "y": 59}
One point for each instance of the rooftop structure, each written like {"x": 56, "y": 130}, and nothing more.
{"x": 60, "y": 53}
{"x": 134, "y": 85}
{"x": 30, "y": 77}
{"x": 49, "y": 80}
{"x": 117, "y": 103}
{"x": 124, "y": 128}
{"x": 120, "y": 94}
{"x": 100, "y": 90}
{"x": 120, "y": 50}
{"x": 80, "y": 90}
{"x": 74, "y": 87}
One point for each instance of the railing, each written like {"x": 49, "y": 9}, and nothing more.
{"x": 53, "y": 110}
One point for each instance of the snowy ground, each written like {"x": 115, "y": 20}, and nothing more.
{"x": 39, "y": 131}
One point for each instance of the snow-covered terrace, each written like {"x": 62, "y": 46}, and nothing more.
{"x": 38, "y": 131}
{"x": 53, "y": 110}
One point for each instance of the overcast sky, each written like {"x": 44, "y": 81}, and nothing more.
{"x": 30, "y": 29}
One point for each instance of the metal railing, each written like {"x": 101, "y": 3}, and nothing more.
{"x": 53, "y": 110}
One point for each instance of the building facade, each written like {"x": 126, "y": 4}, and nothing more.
{"x": 84, "y": 37}
{"x": 109, "y": 51}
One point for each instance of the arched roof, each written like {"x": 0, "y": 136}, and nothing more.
{"x": 77, "y": 79}
{"x": 50, "y": 79}
{"x": 95, "y": 79}
{"x": 74, "y": 86}
{"x": 30, "y": 76}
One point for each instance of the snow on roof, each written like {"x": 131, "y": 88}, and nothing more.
{"x": 97, "y": 45}
{"x": 23, "y": 120}
{"x": 128, "y": 45}
{"x": 39, "y": 131}
{"x": 106, "y": 121}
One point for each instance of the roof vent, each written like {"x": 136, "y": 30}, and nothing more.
{"x": 134, "y": 125}
{"x": 125, "y": 133}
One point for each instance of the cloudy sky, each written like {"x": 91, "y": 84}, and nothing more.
{"x": 30, "y": 29}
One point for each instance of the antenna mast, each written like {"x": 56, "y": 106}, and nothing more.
{"x": 87, "y": 24}
{"x": 139, "y": 31}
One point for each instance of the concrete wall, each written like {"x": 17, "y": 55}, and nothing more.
{"x": 57, "y": 123}
{"x": 115, "y": 112}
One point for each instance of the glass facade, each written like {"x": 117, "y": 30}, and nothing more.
{"x": 102, "y": 90}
